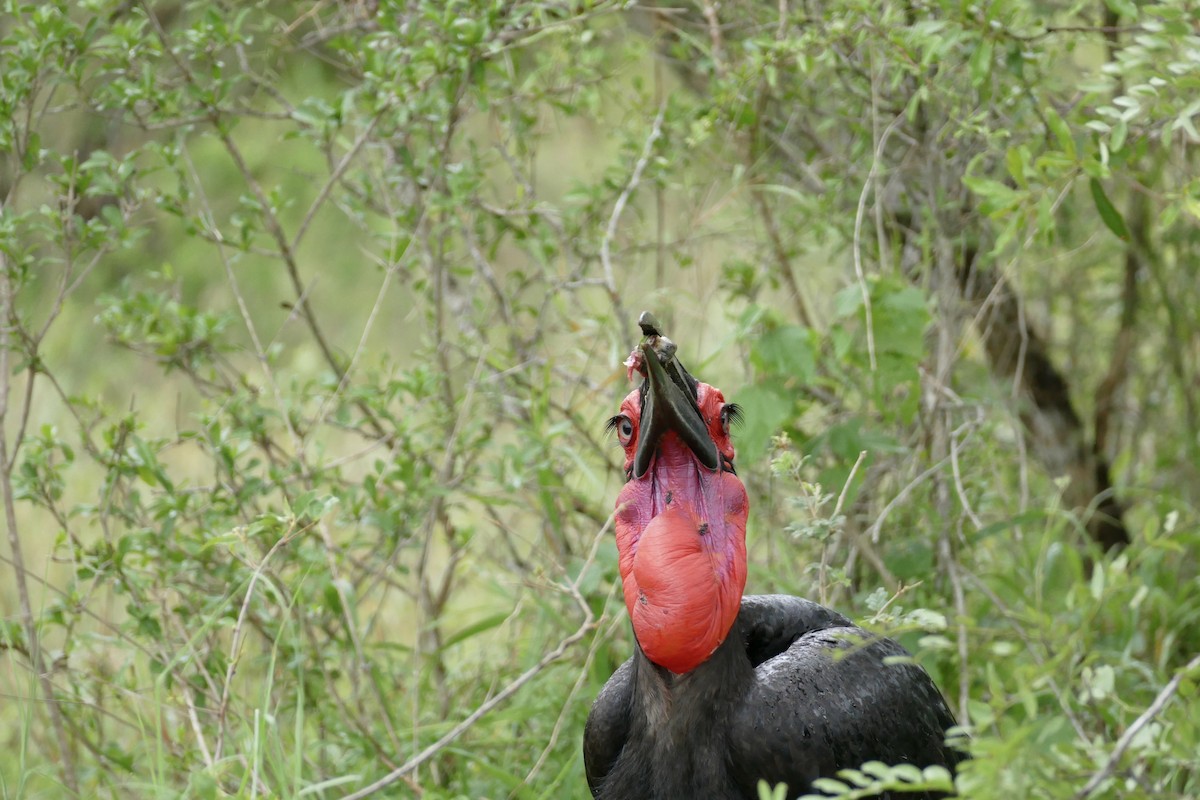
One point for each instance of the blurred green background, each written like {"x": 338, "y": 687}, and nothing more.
{"x": 313, "y": 314}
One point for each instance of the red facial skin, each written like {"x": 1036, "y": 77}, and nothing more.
{"x": 681, "y": 537}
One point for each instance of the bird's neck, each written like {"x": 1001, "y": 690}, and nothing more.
{"x": 689, "y": 700}
{"x": 683, "y": 721}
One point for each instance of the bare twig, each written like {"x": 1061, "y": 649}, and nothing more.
{"x": 872, "y": 182}
{"x": 1031, "y": 647}
{"x": 822, "y": 589}
{"x": 863, "y": 545}
{"x": 714, "y": 35}
{"x": 803, "y": 313}
{"x": 239, "y": 631}
{"x": 610, "y": 232}
{"x": 584, "y": 670}
{"x": 589, "y": 622}
{"x": 958, "y": 484}
{"x": 901, "y": 496}
{"x": 330, "y": 402}
{"x": 1155, "y": 708}
{"x": 1136, "y": 251}
{"x": 336, "y": 175}
{"x": 330, "y": 549}
{"x": 197, "y": 728}
{"x": 32, "y": 636}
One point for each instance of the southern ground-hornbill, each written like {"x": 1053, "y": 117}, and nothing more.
{"x": 724, "y": 690}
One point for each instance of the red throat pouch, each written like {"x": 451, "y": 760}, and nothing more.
{"x": 683, "y": 569}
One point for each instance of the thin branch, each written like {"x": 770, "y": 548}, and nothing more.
{"x": 822, "y": 589}
{"x": 338, "y": 171}
{"x": 1022, "y": 632}
{"x": 235, "y": 645}
{"x": 872, "y": 182}
{"x": 584, "y": 671}
{"x": 589, "y": 622}
{"x": 863, "y": 545}
{"x": 1137, "y": 220}
{"x": 1160, "y": 702}
{"x": 32, "y": 638}
{"x": 714, "y": 35}
{"x": 803, "y": 314}
{"x": 329, "y": 403}
{"x": 958, "y": 484}
{"x": 610, "y": 281}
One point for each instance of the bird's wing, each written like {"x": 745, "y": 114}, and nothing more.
{"x": 607, "y": 725}
{"x": 833, "y": 697}
{"x": 771, "y": 623}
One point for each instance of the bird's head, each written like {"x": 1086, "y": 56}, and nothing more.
{"x": 681, "y": 516}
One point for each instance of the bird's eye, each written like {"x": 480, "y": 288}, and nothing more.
{"x": 624, "y": 430}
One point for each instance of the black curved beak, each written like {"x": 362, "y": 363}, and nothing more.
{"x": 669, "y": 405}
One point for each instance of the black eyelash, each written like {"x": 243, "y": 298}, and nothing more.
{"x": 612, "y": 423}
{"x": 733, "y": 414}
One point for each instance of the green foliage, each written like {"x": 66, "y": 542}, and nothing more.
{"x": 767, "y": 792}
{"x": 314, "y": 313}
{"x": 872, "y": 780}
{"x": 875, "y": 778}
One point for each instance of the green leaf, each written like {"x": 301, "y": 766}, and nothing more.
{"x": 766, "y": 408}
{"x": 1017, "y": 161}
{"x": 990, "y": 189}
{"x": 981, "y": 62}
{"x": 1097, "y": 583}
{"x": 856, "y": 777}
{"x": 1117, "y": 139}
{"x": 1125, "y": 8}
{"x": 475, "y": 628}
{"x": 1061, "y": 132}
{"x": 768, "y": 792}
{"x": 939, "y": 777}
{"x": 847, "y": 301}
{"x": 1108, "y": 212}
{"x": 830, "y": 786}
{"x": 787, "y": 352}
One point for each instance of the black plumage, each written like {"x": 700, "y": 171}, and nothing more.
{"x": 795, "y": 692}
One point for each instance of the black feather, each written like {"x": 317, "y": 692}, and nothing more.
{"x": 795, "y": 692}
